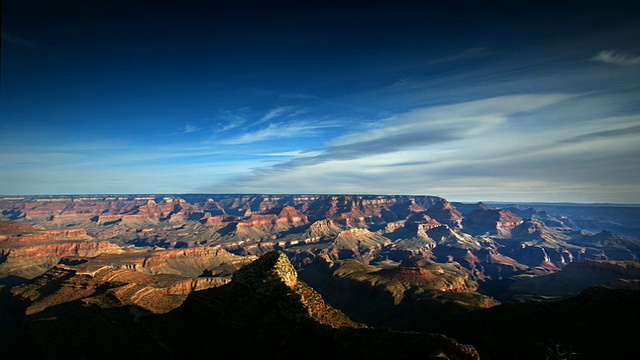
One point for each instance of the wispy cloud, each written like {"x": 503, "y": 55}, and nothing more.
{"x": 607, "y": 134}
{"x": 616, "y": 58}
{"x": 275, "y": 113}
{"x": 231, "y": 119}
{"x": 188, "y": 128}
{"x": 293, "y": 153}
{"x": 280, "y": 130}
{"x": 427, "y": 127}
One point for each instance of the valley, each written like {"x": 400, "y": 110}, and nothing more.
{"x": 404, "y": 263}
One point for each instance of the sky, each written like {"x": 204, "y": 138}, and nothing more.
{"x": 469, "y": 100}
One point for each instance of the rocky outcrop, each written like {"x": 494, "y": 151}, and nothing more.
{"x": 265, "y": 303}
{"x": 445, "y": 213}
{"x": 536, "y": 245}
{"x": 421, "y": 221}
{"x": 410, "y": 238}
{"x": 491, "y": 221}
{"x": 323, "y": 229}
{"x": 190, "y": 262}
{"x": 274, "y": 221}
{"x": 411, "y": 244}
{"x": 395, "y": 284}
{"x": 109, "y": 287}
{"x": 360, "y": 244}
{"x": 267, "y": 273}
{"x": 447, "y": 238}
{"x": 576, "y": 277}
{"x": 298, "y": 318}
{"x": 157, "y": 281}
{"x": 30, "y": 254}
{"x": 605, "y": 245}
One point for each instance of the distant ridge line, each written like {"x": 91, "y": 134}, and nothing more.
{"x": 156, "y": 195}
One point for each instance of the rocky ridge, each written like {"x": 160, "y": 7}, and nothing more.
{"x": 264, "y": 302}
{"x": 491, "y": 244}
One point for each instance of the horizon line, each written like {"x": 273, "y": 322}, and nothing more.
{"x": 502, "y": 202}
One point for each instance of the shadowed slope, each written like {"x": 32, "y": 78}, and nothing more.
{"x": 265, "y": 312}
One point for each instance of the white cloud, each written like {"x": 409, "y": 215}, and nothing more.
{"x": 280, "y": 130}
{"x": 231, "y": 119}
{"x": 188, "y": 128}
{"x": 615, "y": 58}
{"x": 293, "y": 153}
{"x": 427, "y": 127}
{"x": 275, "y": 113}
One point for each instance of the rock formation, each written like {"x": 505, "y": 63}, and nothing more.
{"x": 445, "y": 213}
{"x": 382, "y": 260}
{"x": 491, "y": 221}
{"x": 264, "y": 311}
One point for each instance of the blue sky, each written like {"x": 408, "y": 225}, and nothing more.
{"x": 499, "y": 101}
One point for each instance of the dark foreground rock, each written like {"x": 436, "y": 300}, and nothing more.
{"x": 264, "y": 312}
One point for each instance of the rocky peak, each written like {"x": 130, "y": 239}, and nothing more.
{"x": 606, "y": 237}
{"x": 537, "y": 230}
{"x": 607, "y": 234}
{"x": 445, "y": 213}
{"x": 288, "y": 211}
{"x": 287, "y": 215}
{"x": 422, "y": 221}
{"x": 270, "y": 271}
{"x": 492, "y": 221}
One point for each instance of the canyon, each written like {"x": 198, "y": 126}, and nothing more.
{"x": 425, "y": 269}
